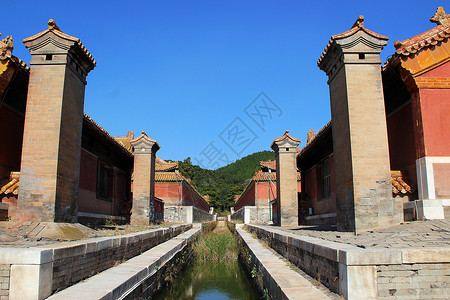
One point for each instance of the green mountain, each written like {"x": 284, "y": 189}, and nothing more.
{"x": 222, "y": 184}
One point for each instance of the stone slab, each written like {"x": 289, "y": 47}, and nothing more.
{"x": 430, "y": 255}
{"x": 25, "y": 256}
{"x": 116, "y": 282}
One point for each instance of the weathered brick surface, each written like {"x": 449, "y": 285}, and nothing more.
{"x": 414, "y": 281}
{"x": 4, "y": 281}
{"x": 78, "y": 261}
{"x": 144, "y": 179}
{"x": 433, "y": 82}
{"x": 287, "y": 192}
{"x": 257, "y": 214}
{"x": 361, "y": 154}
{"x": 52, "y": 135}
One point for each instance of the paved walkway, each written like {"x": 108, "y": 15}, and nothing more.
{"x": 417, "y": 234}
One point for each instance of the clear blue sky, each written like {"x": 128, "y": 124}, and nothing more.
{"x": 185, "y": 71}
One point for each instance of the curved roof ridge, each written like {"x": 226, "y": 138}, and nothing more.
{"x": 428, "y": 38}
{"x": 53, "y": 28}
{"x": 357, "y": 26}
{"x": 106, "y": 133}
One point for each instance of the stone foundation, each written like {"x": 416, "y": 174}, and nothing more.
{"x": 186, "y": 214}
{"x": 411, "y": 273}
{"x": 252, "y": 215}
{"x": 35, "y": 273}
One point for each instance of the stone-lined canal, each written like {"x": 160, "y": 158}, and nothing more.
{"x": 214, "y": 273}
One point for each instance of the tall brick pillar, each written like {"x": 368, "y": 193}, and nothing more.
{"x": 363, "y": 182}
{"x": 144, "y": 179}
{"x": 53, "y": 121}
{"x": 285, "y": 149}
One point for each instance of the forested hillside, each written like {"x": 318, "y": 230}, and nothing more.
{"x": 222, "y": 184}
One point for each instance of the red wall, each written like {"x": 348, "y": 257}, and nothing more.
{"x": 11, "y": 127}
{"x": 435, "y": 107}
{"x": 248, "y": 198}
{"x": 402, "y": 153}
{"x": 262, "y": 193}
{"x": 172, "y": 192}
{"x": 191, "y": 197}
{"x": 117, "y": 188}
{"x": 88, "y": 171}
{"x": 435, "y": 110}
{"x": 87, "y": 201}
{"x": 312, "y": 182}
{"x": 257, "y": 194}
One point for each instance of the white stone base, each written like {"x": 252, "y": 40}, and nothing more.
{"x": 429, "y": 209}
{"x": 252, "y": 215}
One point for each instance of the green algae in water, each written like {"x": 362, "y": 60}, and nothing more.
{"x": 215, "y": 272}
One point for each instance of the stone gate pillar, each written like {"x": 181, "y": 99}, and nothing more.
{"x": 144, "y": 179}
{"x": 51, "y": 150}
{"x": 285, "y": 149}
{"x": 361, "y": 155}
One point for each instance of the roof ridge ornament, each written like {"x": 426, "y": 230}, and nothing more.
{"x": 6, "y": 47}
{"x": 311, "y": 135}
{"x": 52, "y": 25}
{"x": 359, "y": 22}
{"x": 440, "y": 17}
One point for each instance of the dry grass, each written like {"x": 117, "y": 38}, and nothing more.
{"x": 217, "y": 246}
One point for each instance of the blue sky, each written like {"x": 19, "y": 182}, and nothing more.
{"x": 186, "y": 72}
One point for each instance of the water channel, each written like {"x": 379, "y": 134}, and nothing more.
{"x": 214, "y": 274}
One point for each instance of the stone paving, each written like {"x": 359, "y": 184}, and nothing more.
{"x": 35, "y": 234}
{"x": 417, "y": 234}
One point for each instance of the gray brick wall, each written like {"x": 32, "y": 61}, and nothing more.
{"x": 4, "y": 281}
{"x": 414, "y": 281}
{"x": 74, "y": 263}
{"x": 409, "y": 273}
{"x": 256, "y": 215}
{"x": 201, "y": 215}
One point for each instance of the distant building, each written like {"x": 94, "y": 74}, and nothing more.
{"x": 175, "y": 190}
{"x": 261, "y": 191}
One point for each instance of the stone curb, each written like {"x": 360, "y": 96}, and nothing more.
{"x": 354, "y": 256}
{"x": 119, "y": 281}
{"x": 281, "y": 281}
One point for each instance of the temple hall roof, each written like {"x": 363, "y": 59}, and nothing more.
{"x": 269, "y": 164}
{"x": 163, "y": 166}
{"x": 106, "y": 135}
{"x": 168, "y": 177}
{"x": 428, "y": 38}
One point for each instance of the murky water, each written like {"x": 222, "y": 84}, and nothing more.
{"x": 212, "y": 281}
